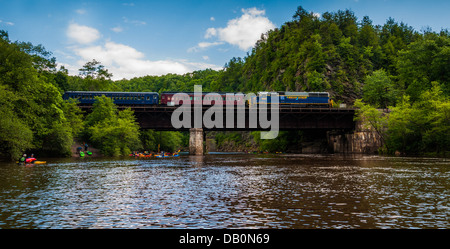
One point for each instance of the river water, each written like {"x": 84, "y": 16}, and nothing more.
{"x": 228, "y": 191}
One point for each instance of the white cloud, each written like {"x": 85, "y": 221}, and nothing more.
{"x": 212, "y": 18}
{"x": 126, "y": 62}
{"x": 122, "y": 60}
{"x": 81, "y": 11}
{"x": 82, "y": 34}
{"x": 243, "y": 31}
{"x": 135, "y": 22}
{"x": 203, "y": 45}
{"x": 210, "y": 33}
{"x": 117, "y": 29}
{"x": 208, "y": 44}
{"x": 7, "y": 23}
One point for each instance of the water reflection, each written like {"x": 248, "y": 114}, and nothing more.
{"x": 228, "y": 191}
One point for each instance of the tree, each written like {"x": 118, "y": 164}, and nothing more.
{"x": 379, "y": 90}
{"x": 436, "y": 109}
{"x": 95, "y": 70}
{"x": 424, "y": 61}
{"x": 15, "y": 136}
{"x": 300, "y": 13}
{"x": 115, "y": 133}
{"x": 32, "y": 116}
{"x": 95, "y": 77}
{"x": 371, "y": 118}
{"x": 405, "y": 126}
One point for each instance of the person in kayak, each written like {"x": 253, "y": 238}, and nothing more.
{"x": 30, "y": 159}
{"x": 23, "y": 158}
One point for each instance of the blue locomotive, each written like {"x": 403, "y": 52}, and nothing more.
{"x": 119, "y": 98}
{"x": 298, "y": 99}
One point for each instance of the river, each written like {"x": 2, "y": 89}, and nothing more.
{"x": 228, "y": 191}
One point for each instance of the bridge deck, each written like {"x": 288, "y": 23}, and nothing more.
{"x": 290, "y": 118}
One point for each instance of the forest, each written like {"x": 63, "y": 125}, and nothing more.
{"x": 389, "y": 67}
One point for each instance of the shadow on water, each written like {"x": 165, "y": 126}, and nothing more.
{"x": 227, "y": 191}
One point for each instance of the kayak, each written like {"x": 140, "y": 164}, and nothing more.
{"x": 35, "y": 162}
{"x": 160, "y": 156}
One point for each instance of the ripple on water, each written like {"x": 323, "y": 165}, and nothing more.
{"x": 228, "y": 191}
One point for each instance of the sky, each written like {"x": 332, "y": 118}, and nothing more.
{"x": 134, "y": 38}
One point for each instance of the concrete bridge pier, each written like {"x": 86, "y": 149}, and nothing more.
{"x": 362, "y": 140}
{"x": 196, "y": 141}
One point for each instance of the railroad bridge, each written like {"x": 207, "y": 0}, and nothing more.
{"x": 290, "y": 118}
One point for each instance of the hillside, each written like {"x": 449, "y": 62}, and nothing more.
{"x": 334, "y": 52}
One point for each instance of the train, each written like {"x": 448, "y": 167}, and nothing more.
{"x": 119, "y": 98}
{"x": 298, "y": 99}
{"x": 168, "y": 98}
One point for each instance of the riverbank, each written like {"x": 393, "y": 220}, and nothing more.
{"x": 75, "y": 150}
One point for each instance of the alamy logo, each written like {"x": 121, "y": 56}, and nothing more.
{"x": 259, "y": 106}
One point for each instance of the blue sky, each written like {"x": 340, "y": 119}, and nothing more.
{"x": 134, "y": 38}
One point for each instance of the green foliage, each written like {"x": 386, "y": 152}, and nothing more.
{"x": 32, "y": 108}
{"x": 404, "y": 128}
{"x": 114, "y": 132}
{"x": 103, "y": 108}
{"x": 412, "y": 127}
{"x": 222, "y": 137}
{"x": 74, "y": 116}
{"x": 15, "y": 135}
{"x": 371, "y": 118}
{"x": 423, "y": 126}
{"x": 379, "y": 90}
{"x": 284, "y": 141}
{"x": 424, "y": 61}
{"x": 168, "y": 141}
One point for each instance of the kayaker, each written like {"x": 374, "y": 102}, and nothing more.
{"x": 86, "y": 146}
{"x": 30, "y": 159}
{"x": 23, "y": 158}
